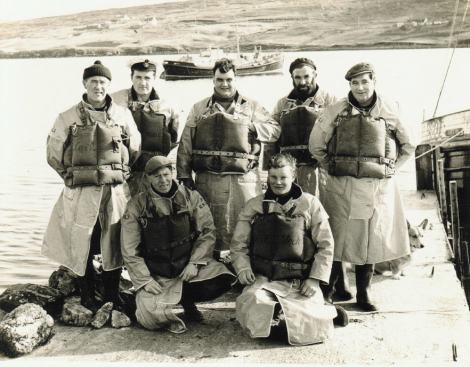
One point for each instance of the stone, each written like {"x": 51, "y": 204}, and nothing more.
{"x": 102, "y": 316}
{"x": 76, "y": 300}
{"x": 76, "y": 315}
{"x": 24, "y": 329}
{"x": 64, "y": 280}
{"x": 48, "y": 298}
{"x": 119, "y": 320}
{"x": 2, "y": 315}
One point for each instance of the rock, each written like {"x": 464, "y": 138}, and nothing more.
{"x": 48, "y": 298}
{"x": 76, "y": 315}
{"x": 76, "y": 300}
{"x": 102, "y": 316}
{"x": 2, "y": 315}
{"x": 119, "y": 319}
{"x": 64, "y": 280}
{"x": 27, "y": 327}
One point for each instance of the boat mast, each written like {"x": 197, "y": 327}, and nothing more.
{"x": 238, "y": 45}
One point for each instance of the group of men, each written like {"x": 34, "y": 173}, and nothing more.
{"x": 331, "y": 197}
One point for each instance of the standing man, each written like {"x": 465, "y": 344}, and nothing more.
{"x": 361, "y": 141}
{"x": 281, "y": 250}
{"x": 167, "y": 242}
{"x": 156, "y": 120}
{"x": 221, "y": 144}
{"x": 91, "y": 146}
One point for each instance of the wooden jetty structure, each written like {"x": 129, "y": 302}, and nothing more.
{"x": 443, "y": 165}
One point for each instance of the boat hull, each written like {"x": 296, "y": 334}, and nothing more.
{"x": 176, "y": 70}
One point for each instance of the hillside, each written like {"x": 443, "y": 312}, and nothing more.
{"x": 275, "y": 25}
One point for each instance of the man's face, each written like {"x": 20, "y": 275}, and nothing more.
{"x": 143, "y": 81}
{"x": 96, "y": 88}
{"x": 362, "y": 88}
{"x": 161, "y": 180}
{"x": 224, "y": 83}
{"x": 304, "y": 80}
{"x": 280, "y": 179}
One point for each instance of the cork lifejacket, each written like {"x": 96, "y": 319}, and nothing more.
{"x": 96, "y": 154}
{"x": 362, "y": 146}
{"x": 223, "y": 143}
{"x": 281, "y": 246}
{"x": 156, "y": 139}
{"x": 296, "y": 125}
{"x": 167, "y": 240}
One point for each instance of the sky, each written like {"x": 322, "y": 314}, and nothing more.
{"x": 14, "y": 10}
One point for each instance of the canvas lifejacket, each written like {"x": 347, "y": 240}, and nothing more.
{"x": 156, "y": 139}
{"x": 362, "y": 146}
{"x": 223, "y": 143}
{"x": 167, "y": 240}
{"x": 297, "y": 124}
{"x": 96, "y": 154}
{"x": 281, "y": 247}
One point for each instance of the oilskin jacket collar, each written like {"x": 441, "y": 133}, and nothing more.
{"x": 109, "y": 106}
{"x": 315, "y": 99}
{"x": 364, "y": 110}
{"x": 153, "y": 96}
{"x": 161, "y": 206}
{"x": 298, "y": 199}
{"x": 211, "y": 102}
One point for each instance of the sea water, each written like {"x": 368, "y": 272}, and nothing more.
{"x": 34, "y": 91}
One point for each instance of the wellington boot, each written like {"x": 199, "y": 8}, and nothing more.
{"x": 87, "y": 291}
{"x": 191, "y": 312}
{"x": 364, "y": 274}
{"x": 342, "y": 319}
{"x": 329, "y": 289}
{"x": 342, "y": 290}
{"x": 111, "y": 288}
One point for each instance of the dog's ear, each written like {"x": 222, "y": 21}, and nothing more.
{"x": 408, "y": 224}
{"x": 423, "y": 224}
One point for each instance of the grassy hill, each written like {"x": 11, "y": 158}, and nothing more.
{"x": 276, "y": 25}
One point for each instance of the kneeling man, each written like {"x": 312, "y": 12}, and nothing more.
{"x": 282, "y": 249}
{"x": 167, "y": 241}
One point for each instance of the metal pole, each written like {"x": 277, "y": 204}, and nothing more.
{"x": 455, "y": 225}
{"x": 442, "y": 193}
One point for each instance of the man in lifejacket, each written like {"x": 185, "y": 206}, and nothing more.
{"x": 167, "y": 241}
{"x": 91, "y": 146}
{"x": 155, "y": 118}
{"x": 361, "y": 141}
{"x": 281, "y": 250}
{"x": 221, "y": 145}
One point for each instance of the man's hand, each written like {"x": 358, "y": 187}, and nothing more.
{"x": 153, "y": 287}
{"x": 188, "y": 182}
{"x": 189, "y": 272}
{"x": 246, "y": 277}
{"x": 309, "y": 287}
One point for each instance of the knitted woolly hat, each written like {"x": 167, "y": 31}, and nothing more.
{"x": 97, "y": 69}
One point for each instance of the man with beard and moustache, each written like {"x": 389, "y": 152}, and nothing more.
{"x": 297, "y": 113}
{"x": 221, "y": 144}
{"x": 155, "y": 118}
{"x": 361, "y": 141}
{"x": 281, "y": 250}
{"x": 91, "y": 146}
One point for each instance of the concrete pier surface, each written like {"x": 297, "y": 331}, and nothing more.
{"x": 421, "y": 316}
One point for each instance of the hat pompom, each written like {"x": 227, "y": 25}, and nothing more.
{"x": 98, "y": 62}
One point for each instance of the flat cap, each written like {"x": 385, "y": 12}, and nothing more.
{"x": 157, "y": 162}
{"x": 301, "y": 62}
{"x": 141, "y": 64}
{"x": 361, "y": 68}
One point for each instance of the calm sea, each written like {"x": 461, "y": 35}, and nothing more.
{"x": 34, "y": 91}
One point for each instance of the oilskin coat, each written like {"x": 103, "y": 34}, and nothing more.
{"x": 308, "y": 320}
{"x": 366, "y": 214}
{"x": 225, "y": 193}
{"x": 307, "y": 174}
{"x": 68, "y": 234}
{"x": 154, "y": 311}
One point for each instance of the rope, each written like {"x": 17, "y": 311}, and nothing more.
{"x": 438, "y": 146}
{"x": 453, "y": 51}
{"x": 444, "y": 312}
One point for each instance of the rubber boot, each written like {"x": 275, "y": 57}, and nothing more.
{"x": 329, "y": 289}
{"x": 87, "y": 290}
{"x": 111, "y": 288}
{"x": 191, "y": 313}
{"x": 342, "y": 290}
{"x": 342, "y": 319}
{"x": 364, "y": 274}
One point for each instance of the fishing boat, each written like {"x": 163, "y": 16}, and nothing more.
{"x": 189, "y": 67}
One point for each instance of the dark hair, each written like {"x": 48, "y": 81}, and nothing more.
{"x": 281, "y": 160}
{"x": 224, "y": 66}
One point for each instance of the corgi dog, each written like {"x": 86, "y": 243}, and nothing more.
{"x": 397, "y": 266}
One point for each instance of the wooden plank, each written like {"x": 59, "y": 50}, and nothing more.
{"x": 424, "y": 168}
{"x": 465, "y": 256}
{"x": 454, "y": 205}
{"x": 442, "y": 193}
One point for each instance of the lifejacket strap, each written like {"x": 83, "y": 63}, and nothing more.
{"x": 295, "y": 147}
{"x": 290, "y": 266}
{"x": 191, "y": 237}
{"x": 381, "y": 160}
{"x": 227, "y": 154}
{"x": 115, "y": 166}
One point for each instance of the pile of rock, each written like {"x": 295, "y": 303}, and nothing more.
{"x": 25, "y": 310}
